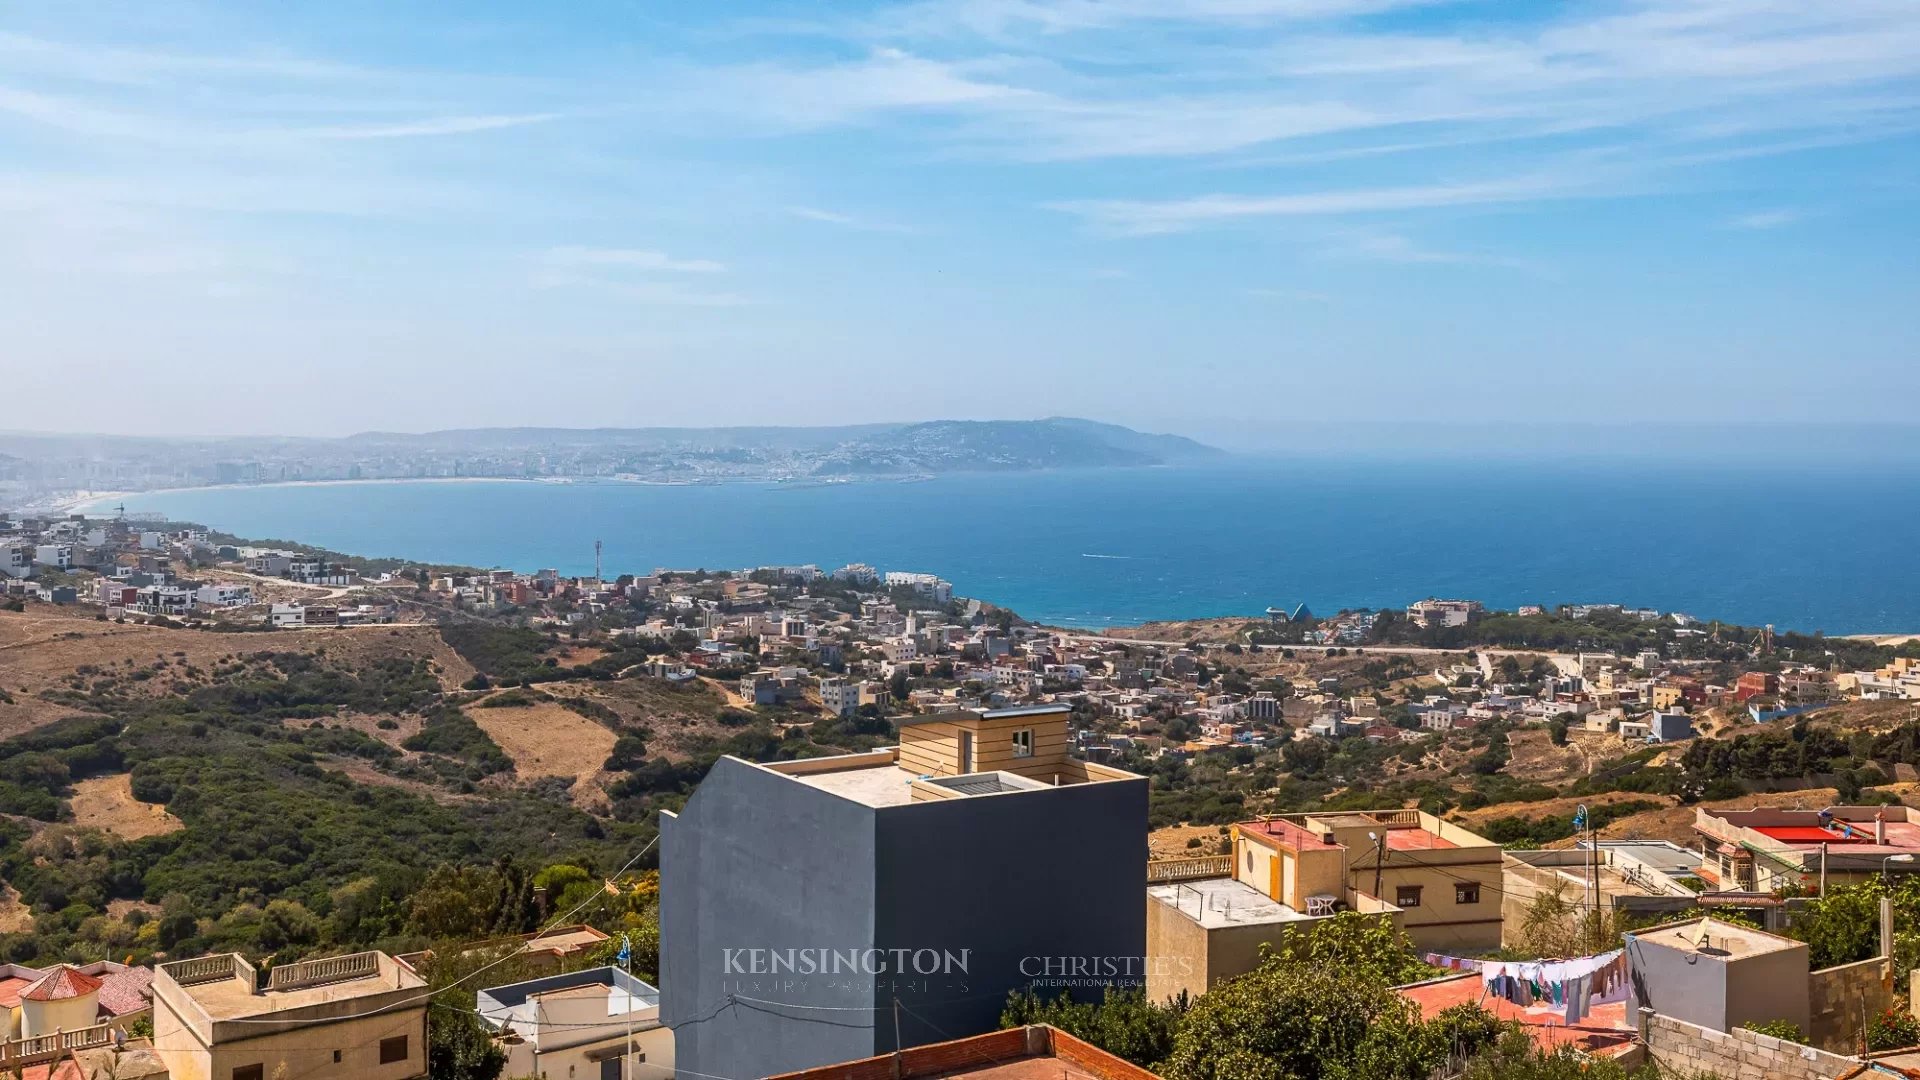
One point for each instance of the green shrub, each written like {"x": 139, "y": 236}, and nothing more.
{"x": 1779, "y": 1029}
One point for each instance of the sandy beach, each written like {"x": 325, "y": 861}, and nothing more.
{"x": 89, "y": 500}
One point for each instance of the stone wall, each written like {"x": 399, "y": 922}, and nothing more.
{"x": 1688, "y": 1049}
{"x": 1843, "y": 999}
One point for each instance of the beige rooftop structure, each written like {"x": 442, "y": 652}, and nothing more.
{"x": 1719, "y": 975}
{"x": 1209, "y": 917}
{"x": 957, "y": 754}
{"x": 359, "y": 1015}
{"x": 1709, "y": 937}
{"x": 1766, "y": 849}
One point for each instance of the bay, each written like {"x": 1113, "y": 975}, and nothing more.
{"x": 1808, "y": 549}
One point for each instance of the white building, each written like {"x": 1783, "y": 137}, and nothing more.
{"x": 224, "y": 595}
{"x": 1431, "y": 612}
{"x": 857, "y": 574}
{"x": 937, "y": 589}
{"x": 58, "y": 556}
{"x": 599, "y": 1024}
{"x": 164, "y": 600}
{"x": 287, "y": 615}
{"x": 840, "y": 697}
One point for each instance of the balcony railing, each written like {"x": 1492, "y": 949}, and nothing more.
{"x": 1166, "y": 871}
{"x": 40, "y": 1049}
{"x": 331, "y": 969}
{"x": 205, "y": 969}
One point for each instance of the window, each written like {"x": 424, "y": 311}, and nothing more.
{"x": 392, "y": 1050}
{"x": 1466, "y": 892}
{"x": 250, "y": 1072}
{"x": 1023, "y": 743}
{"x": 1406, "y": 896}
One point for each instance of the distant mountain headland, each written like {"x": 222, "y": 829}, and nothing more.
{"x": 32, "y": 464}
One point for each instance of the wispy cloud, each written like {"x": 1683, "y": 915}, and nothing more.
{"x": 1766, "y": 219}
{"x": 1145, "y": 217}
{"x": 1074, "y": 79}
{"x": 847, "y": 221}
{"x": 1306, "y": 296}
{"x": 627, "y": 259}
{"x": 1390, "y": 247}
{"x": 446, "y": 125}
{"x": 632, "y": 275}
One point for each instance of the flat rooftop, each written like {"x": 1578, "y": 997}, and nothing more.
{"x": 1722, "y": 939}
{"x": 1288, "y": 834}
{"x": 874, "y": 785}
{"x": 1217, "y": 903}
{"x": 1670, "y": 858}
{"x": 1416, "y": 839}
{"x": 568, "y": 940}
{"x": 1604, "y": 1031}
{"x": 10, "y": 988}
{"x": 233, "y": 999}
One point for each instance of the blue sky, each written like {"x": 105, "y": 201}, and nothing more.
{"x": 1209, "y": 216}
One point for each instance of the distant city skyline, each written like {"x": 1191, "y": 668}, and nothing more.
{"x": 1207, "y": 217}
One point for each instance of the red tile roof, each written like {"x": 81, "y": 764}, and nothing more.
{"x": 1416, "y": 840}
{"x": 10, "y": 991}
{"x": 128, "y": 990}
{"x": 1604, "y": 1031}
{"x": 1286, "y": 834}
{"x": 61, "y": 984}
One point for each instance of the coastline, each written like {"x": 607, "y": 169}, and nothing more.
{"x": 1065, "y": 574}
{"x": 85, "y": 501}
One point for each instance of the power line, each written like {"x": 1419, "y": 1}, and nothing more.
{"x": 598, "y": 895}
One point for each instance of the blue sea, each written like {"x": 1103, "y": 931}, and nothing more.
{"x": 1814, "y": 549}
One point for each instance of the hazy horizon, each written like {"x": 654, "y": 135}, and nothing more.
{"x": 1761, "y": 444}
{"x": 1200, "y": 216}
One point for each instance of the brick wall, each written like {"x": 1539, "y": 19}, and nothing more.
{"x": 1678, "y": 1046}
{"x": 1843, "y": 999}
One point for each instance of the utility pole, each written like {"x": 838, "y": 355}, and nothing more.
{"x": 1823, "y": 868}
{"x": 1593, "y": 859}
{"x": 1379, "y": 861}
{"x": 596, "y": 561}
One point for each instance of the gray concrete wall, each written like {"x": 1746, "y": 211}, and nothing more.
{"x": 1844, "y": 998}
{"x": 1665, "y": 982}
{"x": 1684, "y": 1049}
{"x": 1052, "y": 873}
{"x": 1720, "y": 992}
{"x": 758, "y": 861}
{"x": 1768, "y": 987}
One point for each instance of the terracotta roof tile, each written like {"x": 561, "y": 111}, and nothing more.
{"x": 128, "y": 990}
{"x": 61, "y": 984}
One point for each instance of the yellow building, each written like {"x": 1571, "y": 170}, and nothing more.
{"x": 1207, "y": 918}
{"x": 363, "y": 1015}
{"x": 1445, "y": 879}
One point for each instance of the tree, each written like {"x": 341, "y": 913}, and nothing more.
{"x": 1515, "y": 1057}
{"x": 1124, "y": 1023}
{"x": 1291, "y": 1021}
{"x": 1350, "y": 941}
